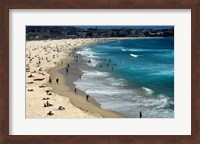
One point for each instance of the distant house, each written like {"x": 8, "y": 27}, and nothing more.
{"x": 72, "y": 36}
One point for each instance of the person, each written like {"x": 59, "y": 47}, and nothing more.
{"x": 66, "y": 69}
{"x": 61, "y": 108}
{"x": 75, "y": 90}
{"x": 87, "y": 97}
{"x": 45, "y": 99}
{"x": 50, "y": 81}
{"x": 57, "y": 80}
{"x": 30, "y": 76}
{"x": 42, "y": 86}
{"x": 140, "y": 114}
{"x": 48, "y": 104}
{"x": 80, "y": 76}
{"x": 47, "y": 91}
{"x": 50, "y": 113}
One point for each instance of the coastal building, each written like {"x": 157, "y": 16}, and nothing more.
{"x": 62, "y": 32}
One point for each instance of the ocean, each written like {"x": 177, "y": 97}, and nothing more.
{"x": 129, "y": 76}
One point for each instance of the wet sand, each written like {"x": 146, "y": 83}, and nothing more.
{"x": 66, "y": 88}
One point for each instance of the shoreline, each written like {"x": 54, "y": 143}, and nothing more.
{"x": 41, "y": 56}
{"x": 78, "y": 100}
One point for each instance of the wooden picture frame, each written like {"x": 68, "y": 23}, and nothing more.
{"x": 6, "y": 5}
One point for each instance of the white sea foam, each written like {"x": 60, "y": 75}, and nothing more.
{"x": 87, "y": 53}
{"x": 164, "y": 102}
{"x": 134, "y": 55}
{"x": 123, "y": 49}
{"x": 112, "y": 95}
{"x": 154, "y": 108}
{"x": 148, "y": 50}
{"x": 118, "y": 84}
{"x": 164, "y": 73}
{"x": 95, "y": 73}
{"x": 149, "y": 91}
{"x": 107, "y": 91}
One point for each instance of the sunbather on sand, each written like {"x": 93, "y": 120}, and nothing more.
{"x": 45, "y": 98}
{"x": 61, "y": 108}
{"x": 47, "y": 104}
{"x": 30, "y": 76}
{"x": 50, "y": 113}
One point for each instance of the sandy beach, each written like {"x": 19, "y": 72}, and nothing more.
{"x": 44, "y": 59}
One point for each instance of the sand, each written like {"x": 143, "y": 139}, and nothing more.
{"x": 43, "y": 60}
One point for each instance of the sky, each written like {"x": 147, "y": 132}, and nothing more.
{"x": 133, "y": 27}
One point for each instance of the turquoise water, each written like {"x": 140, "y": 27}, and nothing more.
{"x": 132, "y": 75}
